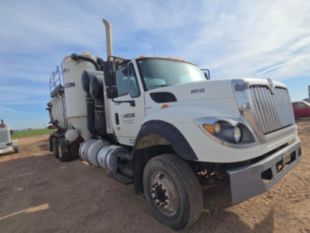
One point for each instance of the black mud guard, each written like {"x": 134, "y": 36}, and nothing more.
{"x": 153, "y": 134}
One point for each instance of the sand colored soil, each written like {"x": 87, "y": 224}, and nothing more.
{"x": 40, "y": 194}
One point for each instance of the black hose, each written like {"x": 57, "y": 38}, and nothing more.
{"x": 96, "y": 88}
{"x": 85, "y": 80}
{"x": 100, "y": 62}
{"x": 100, "y": 120}
{"x": 90, "y": 104}
{"x": 76, "y": 57}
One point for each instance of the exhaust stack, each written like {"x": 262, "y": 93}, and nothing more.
{"x": 108, "y": 32}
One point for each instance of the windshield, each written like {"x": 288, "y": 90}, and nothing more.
{"x": 160, "y": 72}
{"x": 306, "y": 103}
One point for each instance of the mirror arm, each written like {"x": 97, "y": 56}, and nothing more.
{"x": 207, "y": 73}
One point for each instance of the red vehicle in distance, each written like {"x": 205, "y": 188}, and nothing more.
{"x": 301, "y": 109}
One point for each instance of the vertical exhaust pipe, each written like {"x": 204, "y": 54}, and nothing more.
{"x": 108, "y": 33}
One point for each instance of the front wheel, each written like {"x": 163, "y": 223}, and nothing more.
{"x": 172, "y": 190}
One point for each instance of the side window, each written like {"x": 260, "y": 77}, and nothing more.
{"x": 300, "y": 105}
{"x": 133, "y": 82}
{"x": 122, "y": 81}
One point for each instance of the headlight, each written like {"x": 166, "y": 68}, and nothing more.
{"x": 230, "y": 131}
{"x": 237, "y": 134}
{"x": 217, "y": 127}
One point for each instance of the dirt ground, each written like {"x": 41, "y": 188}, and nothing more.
{"x": 40, "y": 194}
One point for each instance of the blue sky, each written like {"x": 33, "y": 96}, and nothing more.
{"x": 235, "y": 39}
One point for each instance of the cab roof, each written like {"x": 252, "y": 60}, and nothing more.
{"x": 164, "y": 58}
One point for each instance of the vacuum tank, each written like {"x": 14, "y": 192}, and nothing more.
{"x": 56, "y": 110}
{"x": 76, "y": 111}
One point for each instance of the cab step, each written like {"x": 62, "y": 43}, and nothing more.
{"x": 121, "y": 178}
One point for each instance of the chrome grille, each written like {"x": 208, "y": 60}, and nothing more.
{"x": 4, "y": 137}
{"x": 272, "y": 111}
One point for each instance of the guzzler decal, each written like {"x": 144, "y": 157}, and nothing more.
{"x": 70, "y": 84}
{"x": 129, "y": 115}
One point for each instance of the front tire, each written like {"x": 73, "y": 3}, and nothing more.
{"x": 172, "y": 190}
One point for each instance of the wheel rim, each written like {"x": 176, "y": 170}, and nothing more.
{"x": 164, "y": 193}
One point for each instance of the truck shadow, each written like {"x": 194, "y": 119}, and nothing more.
{"x": 227, "y": 221}
{"x": 219, "y": 217}
{"x": 217, "y": 195}
{"x": 218, "y": 214}
{"x": 98, "y": 201}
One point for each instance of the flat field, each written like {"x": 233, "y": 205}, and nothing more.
{"x": 40, "y": 194}
{"x": 30, "y": 133}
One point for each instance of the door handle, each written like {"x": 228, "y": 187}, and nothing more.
{"x": 131, "y": 102}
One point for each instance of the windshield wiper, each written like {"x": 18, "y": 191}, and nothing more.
{"x": 164, "y": 85}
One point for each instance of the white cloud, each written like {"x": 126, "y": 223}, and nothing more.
{"x": 267, "y": 38}
{"x": 234, "y": 38}
{"x": 255, "y": 35}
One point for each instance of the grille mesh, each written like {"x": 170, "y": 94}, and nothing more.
{"x": 4, "y": 136}
{"x": 272, "y": 111}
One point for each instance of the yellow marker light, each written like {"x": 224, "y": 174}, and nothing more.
{"x": 209, "y": 128}
{"x": 164, "y": 106}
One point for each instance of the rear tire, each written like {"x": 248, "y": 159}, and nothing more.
{"x": 63, "y": 155}
{"x": 172, "y": 190}
{"x": 55, "y": 147}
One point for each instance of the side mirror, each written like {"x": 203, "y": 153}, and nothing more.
{"x": 112, "y": 92}
{"x": 12, "y": 132}
{"x": 109, "y": 73}
{"x": 207, "y": 73}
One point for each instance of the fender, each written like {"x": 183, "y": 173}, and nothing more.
{"x": 152, "y": 137}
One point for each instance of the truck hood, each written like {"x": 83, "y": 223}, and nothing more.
{"x": 217, "y": 89}
{"x": 211, "y": 89}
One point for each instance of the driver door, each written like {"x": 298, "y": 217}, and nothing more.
{"x": 128, "y": 107}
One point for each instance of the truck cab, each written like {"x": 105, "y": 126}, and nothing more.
{"x": 6, "y": 143}
{"x": 243, "y": 117}
{"x": 142, "y": 86}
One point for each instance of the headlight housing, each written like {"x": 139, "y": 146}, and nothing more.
{"x": 227, "y": 130}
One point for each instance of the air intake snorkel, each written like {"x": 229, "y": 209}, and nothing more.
{"x": 108, "y": 33}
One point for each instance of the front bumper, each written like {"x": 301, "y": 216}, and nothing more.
{"x": 250, "y": 180}
{"x": 6, "y": 150}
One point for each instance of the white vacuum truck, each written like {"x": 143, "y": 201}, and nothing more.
{"x": 161, "y": 124}
{"x": 6, "y": 143}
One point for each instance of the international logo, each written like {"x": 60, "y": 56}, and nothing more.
{"x": 271, "y": 86}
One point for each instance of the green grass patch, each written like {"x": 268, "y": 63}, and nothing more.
{"x": 30, "y": 133}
